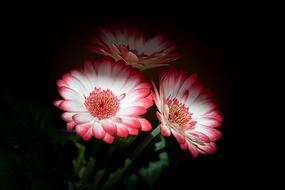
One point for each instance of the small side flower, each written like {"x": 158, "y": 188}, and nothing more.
{"x": 188, "y": 111}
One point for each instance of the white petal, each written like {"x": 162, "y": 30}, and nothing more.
{"x": 82, "y": 117}
{"x": 69, "y": 94}
{"x": 72, "y": 106}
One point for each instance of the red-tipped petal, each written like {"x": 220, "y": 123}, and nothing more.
{"x": 108, "y": 138}
{"x": 184, "y": 146}
{"x": 200, "y": 136}
{"x": 209, "y": 148}
{"x": 81, "y": 129}
{"x": 131, "y": 122}
{"x": 110, "y": 128}
{"x": 164, "y": 130}
{"x": 212, "y": 133}
{"x": 70, "y": 125}
{"x": 88, "y": 134}
{"x": 133, "y": 131}
{"x": 211, "y": 122}
{"x": 70, "y": 94}
{"x": 71, "y": 106}
{"x": 180, "y": 138}
{"x": 57, "y": 103}
{"x": 145, "y": 124}
{"x": 193, "y": 150}
{"x": 122, "y": 130}
{"x": 67, "y": 116}
{"x": 98, "y": 131}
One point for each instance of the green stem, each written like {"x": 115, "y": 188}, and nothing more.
{"x": 144, "y": 143}
{"x": 116, "y": 176}
{"x": 100, "y": 174}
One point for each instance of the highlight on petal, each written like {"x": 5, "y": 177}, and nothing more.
{"x": 98, "y": 131}
{"x": 188, "y": 111}
{"x": 105, "y": 99}
{"x": 84, "y": 117}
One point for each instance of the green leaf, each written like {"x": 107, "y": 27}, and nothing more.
{"x": 116, "y": 176}
{"x": 80, "y": 160}
{"x": 131, "y": 182}
{"x": 98, "y": 176}
{"x": 160, "y": 144}
{"x": 87, "y": 171}
{"x": 124, "y": 142}
{"x": 11, "y": 170}
{"x": 153, "y": 171}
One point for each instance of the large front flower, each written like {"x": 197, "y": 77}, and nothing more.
{"x": 187, "y": 111}
{"x": 131, "y": 47}
{"x": 105, "y": 99}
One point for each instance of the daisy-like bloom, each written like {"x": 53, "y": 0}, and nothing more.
{"x": 132, "y": 47}
{"x": 105, "y": 99}
{"x": 187, "y": 111}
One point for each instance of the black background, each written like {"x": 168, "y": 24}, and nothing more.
{"x": 40, "y": 44}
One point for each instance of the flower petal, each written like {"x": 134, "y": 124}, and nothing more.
{"x": 132, "y": 111}
{"x": 184, "y": 146}
{"x": 84, "y": 117}
{"x": 109, "y": 127}
{"x": 209, "y": 148}
{"x": 194, "y": 151}
{"x": 98, "y": 131}
{"x": 70, "y": 125}
{"x": 108, "y": 138}
{"x": 180, "y": 138}
{"x": 122, "y": 130}
{"x": 164, "y": 130}
{"x": 132, "y": 122}
{"x": 71, "y": 106}
{"x": 212, "y": 133}
{"x": 145, "y": 124}
{"x": 88, "y": 134}
{"x": 132, "y": 131}
{"x": 67, "y": 116}
{"x": 81, "y": 129}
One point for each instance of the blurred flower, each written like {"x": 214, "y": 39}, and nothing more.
{"x": 105, "y": 99}
{"x": 187, "y": 111}
{"x": 132, "y": 47}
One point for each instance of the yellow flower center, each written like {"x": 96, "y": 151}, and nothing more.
{"x": 178, "y": 113}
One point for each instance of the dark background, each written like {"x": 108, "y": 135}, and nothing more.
{"x": 40, "y": 44}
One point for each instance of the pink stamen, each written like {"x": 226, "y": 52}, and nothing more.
{"x": 102, "y": 103}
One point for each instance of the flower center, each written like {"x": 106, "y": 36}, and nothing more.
{"x": 179, "y": 114}
{"x": 102, "y": 103}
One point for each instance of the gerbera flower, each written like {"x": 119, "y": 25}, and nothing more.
{"x": 187, "y": 111}
{"x": 134, "y": 49}
{"x": 104, "y": 99}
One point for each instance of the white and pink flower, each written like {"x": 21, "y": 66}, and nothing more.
{"x": 105, "y": 99}
{"x": 186, "y": 110}
{"x": 132, "y": 47}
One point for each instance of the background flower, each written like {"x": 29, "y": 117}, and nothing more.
{"x": 105, "y": 99}
{"x": 188, "y": 112}
{"x": 132, "y": 47}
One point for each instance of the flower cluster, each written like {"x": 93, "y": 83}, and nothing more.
{"x": 108, "y": 97}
